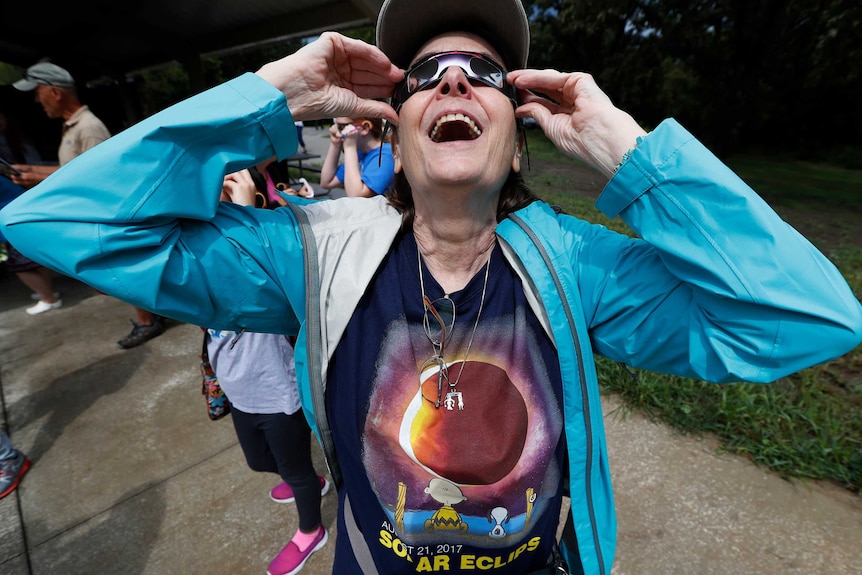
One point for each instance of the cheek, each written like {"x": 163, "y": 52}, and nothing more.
{"x": 406, "y": 141}
{"x": 407, "y": 155}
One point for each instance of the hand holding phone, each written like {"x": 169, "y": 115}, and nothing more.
{"x": 7, "y": 168}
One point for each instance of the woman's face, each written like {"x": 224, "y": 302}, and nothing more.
{"x": 457, "y": 134}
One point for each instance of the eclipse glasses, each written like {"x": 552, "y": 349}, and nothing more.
{"x": 428, "y": 72}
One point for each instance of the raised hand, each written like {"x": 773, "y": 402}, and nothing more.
{"x": 239, "y": 188}
{"x": 577, "y": 116}
{"x": 335, "y": 135}
{"x": 335, "y": 76}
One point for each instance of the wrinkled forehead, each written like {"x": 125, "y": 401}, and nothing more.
{"x": 461, "y": 41}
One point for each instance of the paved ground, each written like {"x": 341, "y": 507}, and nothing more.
{"x": 131, "y": 477}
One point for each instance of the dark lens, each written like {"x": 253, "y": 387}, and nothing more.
{"x": 487, "y": 71}
{"x": 422, "y": 74}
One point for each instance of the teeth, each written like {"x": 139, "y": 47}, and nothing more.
{"x": 474, "y": 129}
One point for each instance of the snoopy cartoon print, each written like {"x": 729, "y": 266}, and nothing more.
{"x": 498, "y": 516}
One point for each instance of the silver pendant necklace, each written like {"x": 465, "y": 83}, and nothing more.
{"x": 453, "y": 397}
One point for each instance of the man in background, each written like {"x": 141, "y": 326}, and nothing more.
{"x": 55, "y": 91}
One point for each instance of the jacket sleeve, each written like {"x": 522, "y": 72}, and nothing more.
{"x": 716, "y": 286}
{"x": 139, "y": 216}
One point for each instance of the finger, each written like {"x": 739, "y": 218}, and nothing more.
{"x": 548, "y": 81}
{"x": 244, "y": 177}
{"x": 528, "y": 97}
{"x": 361, "y": 68}
{"x": 227, "y": 188}
{"x": 374, "y": 92}
{"x": 538, "y": 112}
{"x": 369, "y": 108}
{"x": 373, "y": 76}
{"x": 364, "y": 57}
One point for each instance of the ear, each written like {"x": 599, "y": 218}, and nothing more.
{"x": 516, "y": 158}
{"x": 396, "y": 155}
{"x": 367, "y": 125}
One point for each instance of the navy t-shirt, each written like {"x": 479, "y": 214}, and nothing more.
{"x": 473, "y": 485}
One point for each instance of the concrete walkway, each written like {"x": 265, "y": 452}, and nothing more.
{"x": 130, "y": 477}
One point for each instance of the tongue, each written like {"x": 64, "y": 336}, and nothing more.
{"x": 454, "y": 130}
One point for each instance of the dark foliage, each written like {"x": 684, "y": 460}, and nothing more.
{"x": 744, "y": 75}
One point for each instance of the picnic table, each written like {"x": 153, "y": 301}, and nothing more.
{"x": 296, "y": 161}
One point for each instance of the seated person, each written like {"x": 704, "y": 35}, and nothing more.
{"x": 363, "y": 172}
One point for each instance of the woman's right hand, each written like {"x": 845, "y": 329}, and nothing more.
{"x": 335, "y": 76}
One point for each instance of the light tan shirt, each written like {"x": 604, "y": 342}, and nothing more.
{"x": 80, "y": 133}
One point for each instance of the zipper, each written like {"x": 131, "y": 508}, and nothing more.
{"x": 581, "y": 374}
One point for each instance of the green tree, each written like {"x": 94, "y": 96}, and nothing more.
{"x": 742, "y": 74}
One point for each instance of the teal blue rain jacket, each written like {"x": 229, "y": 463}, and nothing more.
{"x": 716, "y": 286}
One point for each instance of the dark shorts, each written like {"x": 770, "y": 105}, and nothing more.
{"x": 17, "y": 262}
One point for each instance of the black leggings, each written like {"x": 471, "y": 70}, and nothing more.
{"x": 281, "y": 443}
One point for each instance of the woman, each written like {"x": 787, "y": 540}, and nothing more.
{"x": 446, "y": 338}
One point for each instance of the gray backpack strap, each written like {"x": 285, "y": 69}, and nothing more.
{"x": 357, "y": 542}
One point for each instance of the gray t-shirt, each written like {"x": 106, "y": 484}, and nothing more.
{"x": 258, "y": 374}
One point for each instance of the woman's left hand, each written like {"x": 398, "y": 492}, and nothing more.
{"x": 577, "y": 116}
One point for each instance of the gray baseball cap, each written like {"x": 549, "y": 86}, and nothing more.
{"x": 46, "y": 74}
{"x": 404, "y": 26}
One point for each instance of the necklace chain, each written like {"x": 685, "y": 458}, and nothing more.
{"x": 475, "y": 325}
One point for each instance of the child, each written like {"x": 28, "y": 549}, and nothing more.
{"x": 256, "y": 371}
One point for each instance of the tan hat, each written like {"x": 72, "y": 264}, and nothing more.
{"x": 46, "y": 74}
{"x": 404, "y": 26}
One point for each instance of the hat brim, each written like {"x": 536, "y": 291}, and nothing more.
{"x": 25, "y": 85}
{"x": 404, "y": 26}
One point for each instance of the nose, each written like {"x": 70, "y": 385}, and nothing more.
{"x": 454, "y": 82}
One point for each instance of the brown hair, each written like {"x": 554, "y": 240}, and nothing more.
{"x": 376, "y": 126}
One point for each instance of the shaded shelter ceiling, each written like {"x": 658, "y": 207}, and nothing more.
{"x": 110, "y": 38}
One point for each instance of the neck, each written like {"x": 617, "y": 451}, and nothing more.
{"x": 369, "y": 144}
{"x": 69, "y": 109}
{"x": 453, "y": 261}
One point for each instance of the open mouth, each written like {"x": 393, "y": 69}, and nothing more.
{"x": 454, "y": 127}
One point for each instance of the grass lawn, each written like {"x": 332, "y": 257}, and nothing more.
{"x": 808, "y": 425}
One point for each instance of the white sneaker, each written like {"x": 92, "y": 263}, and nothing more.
{"x": 43, "y": 307}
{"x": 37, "y": 297}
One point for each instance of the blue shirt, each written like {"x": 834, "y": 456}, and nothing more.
{"x": 378, "y": 178}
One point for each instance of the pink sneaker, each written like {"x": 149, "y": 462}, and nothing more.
{"x": 291, "y": 560}
{"x": 282, "y": 493}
